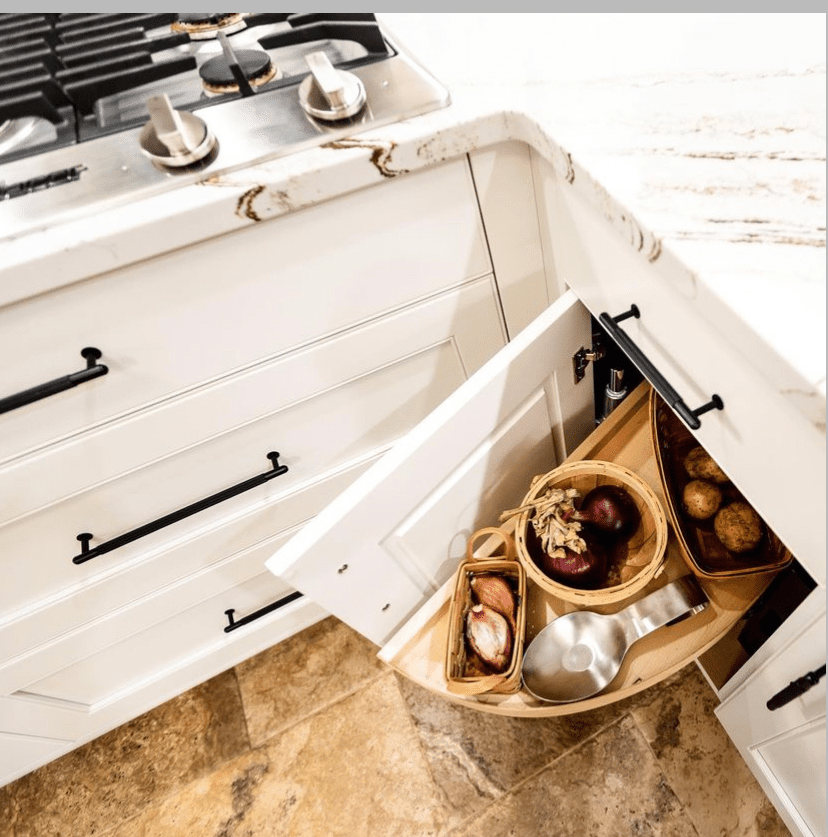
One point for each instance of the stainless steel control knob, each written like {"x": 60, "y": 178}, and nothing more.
{"x": 174, "y": 138}
{"x": 330, "y": 94}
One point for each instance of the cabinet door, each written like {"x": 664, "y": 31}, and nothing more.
{"x": 385, "y": 545}
{"x": 785, "y": 747}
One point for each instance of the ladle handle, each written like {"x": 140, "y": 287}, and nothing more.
{"x": 677, "y": 600}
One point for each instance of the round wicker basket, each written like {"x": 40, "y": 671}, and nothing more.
{"x": 645, "y": 551}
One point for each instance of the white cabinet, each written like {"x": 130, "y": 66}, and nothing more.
{"x": 785, "y": 747}
{"x": 305, "y": 335}
{"x": 381, "y": 551}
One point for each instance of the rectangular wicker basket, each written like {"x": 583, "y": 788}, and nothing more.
{"x": 461, "y": 676}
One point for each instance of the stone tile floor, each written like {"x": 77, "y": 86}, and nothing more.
{"x": 317, "y": 738}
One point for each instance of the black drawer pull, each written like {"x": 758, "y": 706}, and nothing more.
{"x": 93, "y": 370}
{"x": 796, "y": 689}
{"x": 645, "y": 366}
{"x": 86, "y": 553}
{"x": 232, "y": 623}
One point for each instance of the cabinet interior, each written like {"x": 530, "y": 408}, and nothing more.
{"x": 418, "y": 650}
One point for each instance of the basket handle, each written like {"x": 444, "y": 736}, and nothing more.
{"x": 506, "y": 544}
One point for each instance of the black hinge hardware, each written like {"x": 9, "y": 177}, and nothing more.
{"x": 581, "y": 359}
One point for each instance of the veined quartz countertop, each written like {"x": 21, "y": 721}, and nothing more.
{"x": 720, "y": 168}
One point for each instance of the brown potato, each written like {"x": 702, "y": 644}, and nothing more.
{"x": 701, "y": 499}
{"x": 700, "y": 465}
{"x": 738, "y": 527}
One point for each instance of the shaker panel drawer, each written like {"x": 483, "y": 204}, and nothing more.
{"x": 73, "y": 625}
{"x": 357, "y": 414}
{"x": 162, "y": 647}
{"x": 202, "y": 312}
{"x": 153, "y": 633}
{"x": 85, "y": 460}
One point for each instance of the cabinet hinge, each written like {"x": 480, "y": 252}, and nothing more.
{"x": 581, "y": 359}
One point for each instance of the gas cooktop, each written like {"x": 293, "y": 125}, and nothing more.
{"x": 99, "y": 109}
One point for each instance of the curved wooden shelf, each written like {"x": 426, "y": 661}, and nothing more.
{"x": 418, "y": 649}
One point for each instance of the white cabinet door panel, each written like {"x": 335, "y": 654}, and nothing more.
{"x": 785, "y": 747}
{"x": 795, "y": 762}
{"x": 375, "y": 554}
{"x": 700, "y": 357}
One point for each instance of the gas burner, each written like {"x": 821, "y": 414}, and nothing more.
{"x": 220, "y": 74}
{"x": 203, "y": 26}
{"x": 88, "y": 94}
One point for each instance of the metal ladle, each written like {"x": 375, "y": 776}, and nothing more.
{"x": 577, "y": 655}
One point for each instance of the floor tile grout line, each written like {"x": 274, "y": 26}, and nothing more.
{"x": 522, "y": 782}
{"x": 320, "y": 708}
{"x": 215, "y": 767}
{"x": 444, "y": 830}
{"x": 252, "y": 748}
{"x": 243, "y": 709}
{"x": 658, "y": 760}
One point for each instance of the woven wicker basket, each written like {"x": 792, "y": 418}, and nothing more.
{"x": 460, "y": 677}
{"x": 645, "y": 551}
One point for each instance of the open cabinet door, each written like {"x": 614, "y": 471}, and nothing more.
{"x": 387, "y": 543}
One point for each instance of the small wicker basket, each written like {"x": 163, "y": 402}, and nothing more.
{"x": 645, "y": 551}
{"x": 460, "y": 677}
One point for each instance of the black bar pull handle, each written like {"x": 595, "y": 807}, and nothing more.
{"x": 86, "y": 554}
{"x": 233, "y": 623}
{"x": 93, "y": 370}
{"x": 796, "y": 688}
{"x": 645, "y": 366}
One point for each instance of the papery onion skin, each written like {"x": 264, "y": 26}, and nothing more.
{"x": 494, "y": 592}
{"x": 587, "y": 570}
{"x": 609, "y": 509}
{"x": 489, "y": 636}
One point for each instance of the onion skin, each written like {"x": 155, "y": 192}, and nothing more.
{"x": 490, "y": 637}
{"x": 586, "y": 570}
{"x": 609, "y": 509}
{"x": 494, "y": 592}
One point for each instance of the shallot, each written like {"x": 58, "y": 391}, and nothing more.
{"x": 489, "y": 636}
{"x": 494, "y": 592}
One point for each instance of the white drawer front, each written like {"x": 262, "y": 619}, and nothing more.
{"x": 157, "y": 635}
{"x": 47, "y": 638}
{"x": 171, "y": 323}
{"x": 364, "y": 410}
{"x": 20, "y": 753}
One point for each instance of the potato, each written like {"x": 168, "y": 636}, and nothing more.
{"x": 700, "y": 465}
{"x": 738, "y": 527}
{"x": 701, "y": 499}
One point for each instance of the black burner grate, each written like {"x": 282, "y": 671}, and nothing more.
{"x": 59, "y": 67}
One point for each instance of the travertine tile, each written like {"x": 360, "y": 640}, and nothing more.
{"x": 129, "y": 769}
{"x": 476, "y": 757}
{"x": 703, "y": 766}
{"x": 353, "y": 769}
{"x": 609, "y": 786}
{"x": 302, "y": 674}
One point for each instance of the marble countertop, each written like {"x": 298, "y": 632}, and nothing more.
{"x": 721, "y": 165}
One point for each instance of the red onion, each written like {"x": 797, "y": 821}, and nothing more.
{"x": 609, "y": 509}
